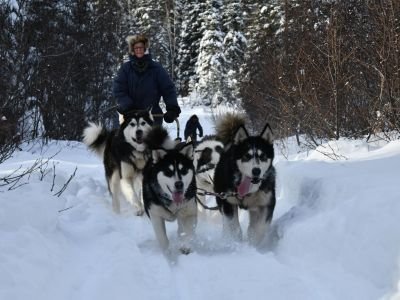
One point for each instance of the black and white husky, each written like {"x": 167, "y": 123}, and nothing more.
{"x": 245, "y": 178}
{"x": 124, "y": 156}
{"x": 169, "y": 189}
{"x": 206, "y": 157}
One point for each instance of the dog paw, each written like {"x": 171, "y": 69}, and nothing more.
{"x": 185, "y": 250}
{"x": 139, "y": 212}
{"x": 171, "y": 256}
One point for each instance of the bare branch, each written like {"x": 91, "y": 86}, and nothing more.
{"x": 58, "y": 194}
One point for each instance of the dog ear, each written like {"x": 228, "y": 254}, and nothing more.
{"x": 157, "y": 154}
{"x": 121, "y": 118}
{"x": 187, "y": 150}
{"x": 240, "y": 136}
{"x": 150, "y": 114}
{"x": 267, "y": 134}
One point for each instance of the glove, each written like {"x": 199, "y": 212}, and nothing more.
{"x": 170, "y": 116}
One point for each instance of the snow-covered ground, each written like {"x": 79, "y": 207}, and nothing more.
{"x": 335, "y": 233}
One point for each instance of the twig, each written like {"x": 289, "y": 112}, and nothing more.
{"x": 58, "y": 194}
{"x": 54, "y": 177}
{"x": 61, "y": 210}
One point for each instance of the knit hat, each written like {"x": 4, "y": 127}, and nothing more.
{"x": 134, "y": 39}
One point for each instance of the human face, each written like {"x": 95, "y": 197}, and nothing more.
{"x": 138, "y": 50}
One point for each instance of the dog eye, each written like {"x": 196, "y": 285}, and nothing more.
{"x": 247, "y": 157}
{"x": 169, "y": 171}
{"x": 263, "y": 157}
{"x": 132, "y": 124}
{"x": 183, "y": 171}
{"x": 219, "y": 149}
{"x": 143, "y": 123}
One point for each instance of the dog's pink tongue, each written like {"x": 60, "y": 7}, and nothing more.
{"x": 244, "y": 186}
{"x": 177, "y": 197}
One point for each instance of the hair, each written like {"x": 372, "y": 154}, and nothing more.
{"x": 134, "y": 39}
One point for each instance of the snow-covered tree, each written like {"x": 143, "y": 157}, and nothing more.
{"x": 188, "y": 43}
{"x": 258, "y": 75}
{"x": 211, "y": 61}
{"x": 264, "y": 23}
{"x": 234, "y": 47}
{"x": 104, "y": 57}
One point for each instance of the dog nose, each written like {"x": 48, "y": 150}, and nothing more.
{"x": 179, "y": 185}
{"x": 139, "y": 134}
{"x": 256, "y": 172}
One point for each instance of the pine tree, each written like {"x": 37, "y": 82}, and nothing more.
{"x": 262, "y": 28}
{"x": 258, "y": 83}
{"x": 16, "y": 70}
{"x": 234, "y": 47}
{"x": 211, "y": 61}
{"x": 191, "y": 15}
{"x": 105, "y": 26}
{"x": 50, "y": 51}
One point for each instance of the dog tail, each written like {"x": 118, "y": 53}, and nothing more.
{"x": 95, "y": 137}
{"x": 227, "y": 125}
{"x": 157, "y": 138}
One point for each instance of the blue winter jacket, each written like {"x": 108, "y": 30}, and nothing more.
{"x": 136, "y": 89}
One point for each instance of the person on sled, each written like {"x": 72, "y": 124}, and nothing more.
{"x": 192, "y": 125}
{"x": 141, "y": 82}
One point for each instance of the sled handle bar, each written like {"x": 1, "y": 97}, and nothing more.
{"x": 178, "y": 129}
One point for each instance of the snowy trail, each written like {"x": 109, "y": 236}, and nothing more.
{"x": 336, "y": 240}
{"x": 98, "y": 244}
{"x": 102, "y": 253}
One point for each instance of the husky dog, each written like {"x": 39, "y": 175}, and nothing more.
{"x": 206, "y": 156}
{"x": 169, "y": 189}
{"x": 245, "y": 178}
{"x": 124, "y": 156}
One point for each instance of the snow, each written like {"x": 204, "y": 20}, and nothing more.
{"x": 334, "y": 235}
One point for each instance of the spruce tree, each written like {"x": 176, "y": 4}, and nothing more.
{"x": 188, "y": 43}
{"x": 234, "y": 47}
{"x": 211, "y": 61}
